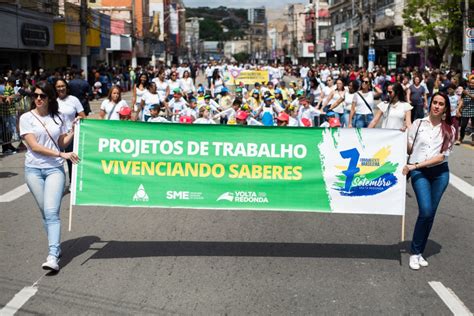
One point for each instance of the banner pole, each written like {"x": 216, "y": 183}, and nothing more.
{"x": 72, "y": 196}
{"x": 403, "y": 227}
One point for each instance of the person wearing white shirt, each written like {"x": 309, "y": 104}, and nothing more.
{"x": 430, "y": 142}
{"x": 304, "y": 71}
{"x": 150, "y": 98}
{"x": 110, "y": 107}
{"x": 173, "y": 82}
{"x": 155, "y": 114}
{"x": 162, "y": 86}
{"x": 204, "y": 116}
{"x": 325, "y": 73}
{"x": 395, "y": 114}
{"x": 336, "y": 99}
{"x": 176, "y": 105}
{"x": 69, "y": 107}
{"x": 187, "y": 84}
{"x": 363, "y": 105}
{"x": 307, "y": 113}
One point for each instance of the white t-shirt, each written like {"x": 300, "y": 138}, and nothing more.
{"x": 304, "y": 72}
{"x": 187, "y": 85}
{"x": 158, "y": 119}
{"x": 111, "y": 109}
{"x": 30, "y": 125}
{"x": 325, "y": 73}
{"x": 348, "y": 98}
{"x": 361, "y": 107}
{"x": 174, "y": 85}
{"x": 150, "y": 99}
{"x": 161, "y": 87}
{"x": 336, "y": 96}
{"x": 69, "y": 107}
{"x": 396, "y": 115}
{"x": 203, "y": 120}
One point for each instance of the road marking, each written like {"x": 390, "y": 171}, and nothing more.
{"x": 18, "y": 300}
{"x": 451, "y": 300}
{"x": 14, "y": 194}
{"x": 461, "y": 185}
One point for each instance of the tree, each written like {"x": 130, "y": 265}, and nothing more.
{"x": 210, "y": 30}
{"x": 241, "y": 57}
{"x": 439, "y": 21}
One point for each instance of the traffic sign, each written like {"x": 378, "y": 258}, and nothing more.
{"x": 371, "y": 54}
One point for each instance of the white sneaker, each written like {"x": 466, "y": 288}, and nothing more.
{"x": 422, "y": 262}
{"x": 51, "y": 263}
{"x": 414, "y": 262}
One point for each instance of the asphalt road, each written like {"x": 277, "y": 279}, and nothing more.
{"x": 196, "y": 262}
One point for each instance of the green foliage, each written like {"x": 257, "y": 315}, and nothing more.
{"x": 241, "y": 57}
{"x": 436, "y": 20}
{"x": 210, "y": 30}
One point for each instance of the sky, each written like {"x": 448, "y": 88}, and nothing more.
{"x": 245, "y": 4}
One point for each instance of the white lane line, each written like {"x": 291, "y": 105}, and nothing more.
{"x": 451, "y": 300}
{"x": 18, "y": 300}
{"x": 461, "y": 185}
{"x": 14, "y": 194}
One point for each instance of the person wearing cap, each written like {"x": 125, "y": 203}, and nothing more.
{"x": 176, "y": 105}
{"x": 110, "y": 107}
{"x": 279, "y": 98}
{"x": 208, "y": 101}
{"x": 254, "y": 101}
{"x": 150, "y": 97}
{"x": 243, "y": 118}
{"x": 225, "y": 102}
{"x": 155, "y": 110}
{"x": 191, "y": 110}
{"x": 200, "y": 93}
{"x": 125, "y": 113}
{"x": 283, "y": 119}
{"x": 299, "y": 95}
{"x": 285, "y": 93}
{"x": 268, "y": 111}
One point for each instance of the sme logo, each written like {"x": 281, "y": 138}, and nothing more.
{"x": 177, "y": 195}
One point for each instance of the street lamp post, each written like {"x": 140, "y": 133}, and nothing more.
{"x": 316, "y": 26}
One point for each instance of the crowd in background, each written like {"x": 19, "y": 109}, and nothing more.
{"x": 298, "y": 96}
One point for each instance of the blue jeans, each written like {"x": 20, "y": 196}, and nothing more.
{"x": 429, "y": 185}
{"x": 47, "y": 186}
{"x": 362, "y": 120}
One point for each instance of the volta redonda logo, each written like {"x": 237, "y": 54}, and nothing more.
{"x": 365, "y": 176}
{"x": 243, "y": 197}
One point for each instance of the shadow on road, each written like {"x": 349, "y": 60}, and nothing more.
{"x": 137, "y": 249}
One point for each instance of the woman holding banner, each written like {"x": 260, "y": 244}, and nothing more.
{"x": 430, "y": 141}
{"x": 45, "y": 133}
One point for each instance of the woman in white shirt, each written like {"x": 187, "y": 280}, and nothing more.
{"x": 110, "y": 107}
{"x": 69, "y": 107}
{"x": 45, "y": 133}
{"x": 173, "y": 83}
{"x": 216, "y": 83}
{"x": 150, "y": 98}
{"x": 335, "y": 99}
{"x": 140, "y": 87}
{"x": 395, "y": 114}
{"x": 362, "y": 105}
{"x": 162, "y": 86}
{"x": 186, "y": 84}
{"x": 430, "y": 141}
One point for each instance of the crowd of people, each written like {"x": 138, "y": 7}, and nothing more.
{"x": 41, "y": 109}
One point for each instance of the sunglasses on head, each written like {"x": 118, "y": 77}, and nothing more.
{"x": 41, "y": 95}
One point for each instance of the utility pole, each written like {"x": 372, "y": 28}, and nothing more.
{"x": 466, "y": 58}
{"x": 361, "y": 35}
{"x": 83, "y": 33}
{"x": 316, "y": 26}
{"x": 371, "y": 33}
{"x": 134, "y": 34}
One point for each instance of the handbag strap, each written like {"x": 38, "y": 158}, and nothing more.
{"x": 112, "y": 111}
{"x": 414, "y": 140}
{"x": 44, "y": 126}
{"x": 360, "y": 95}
